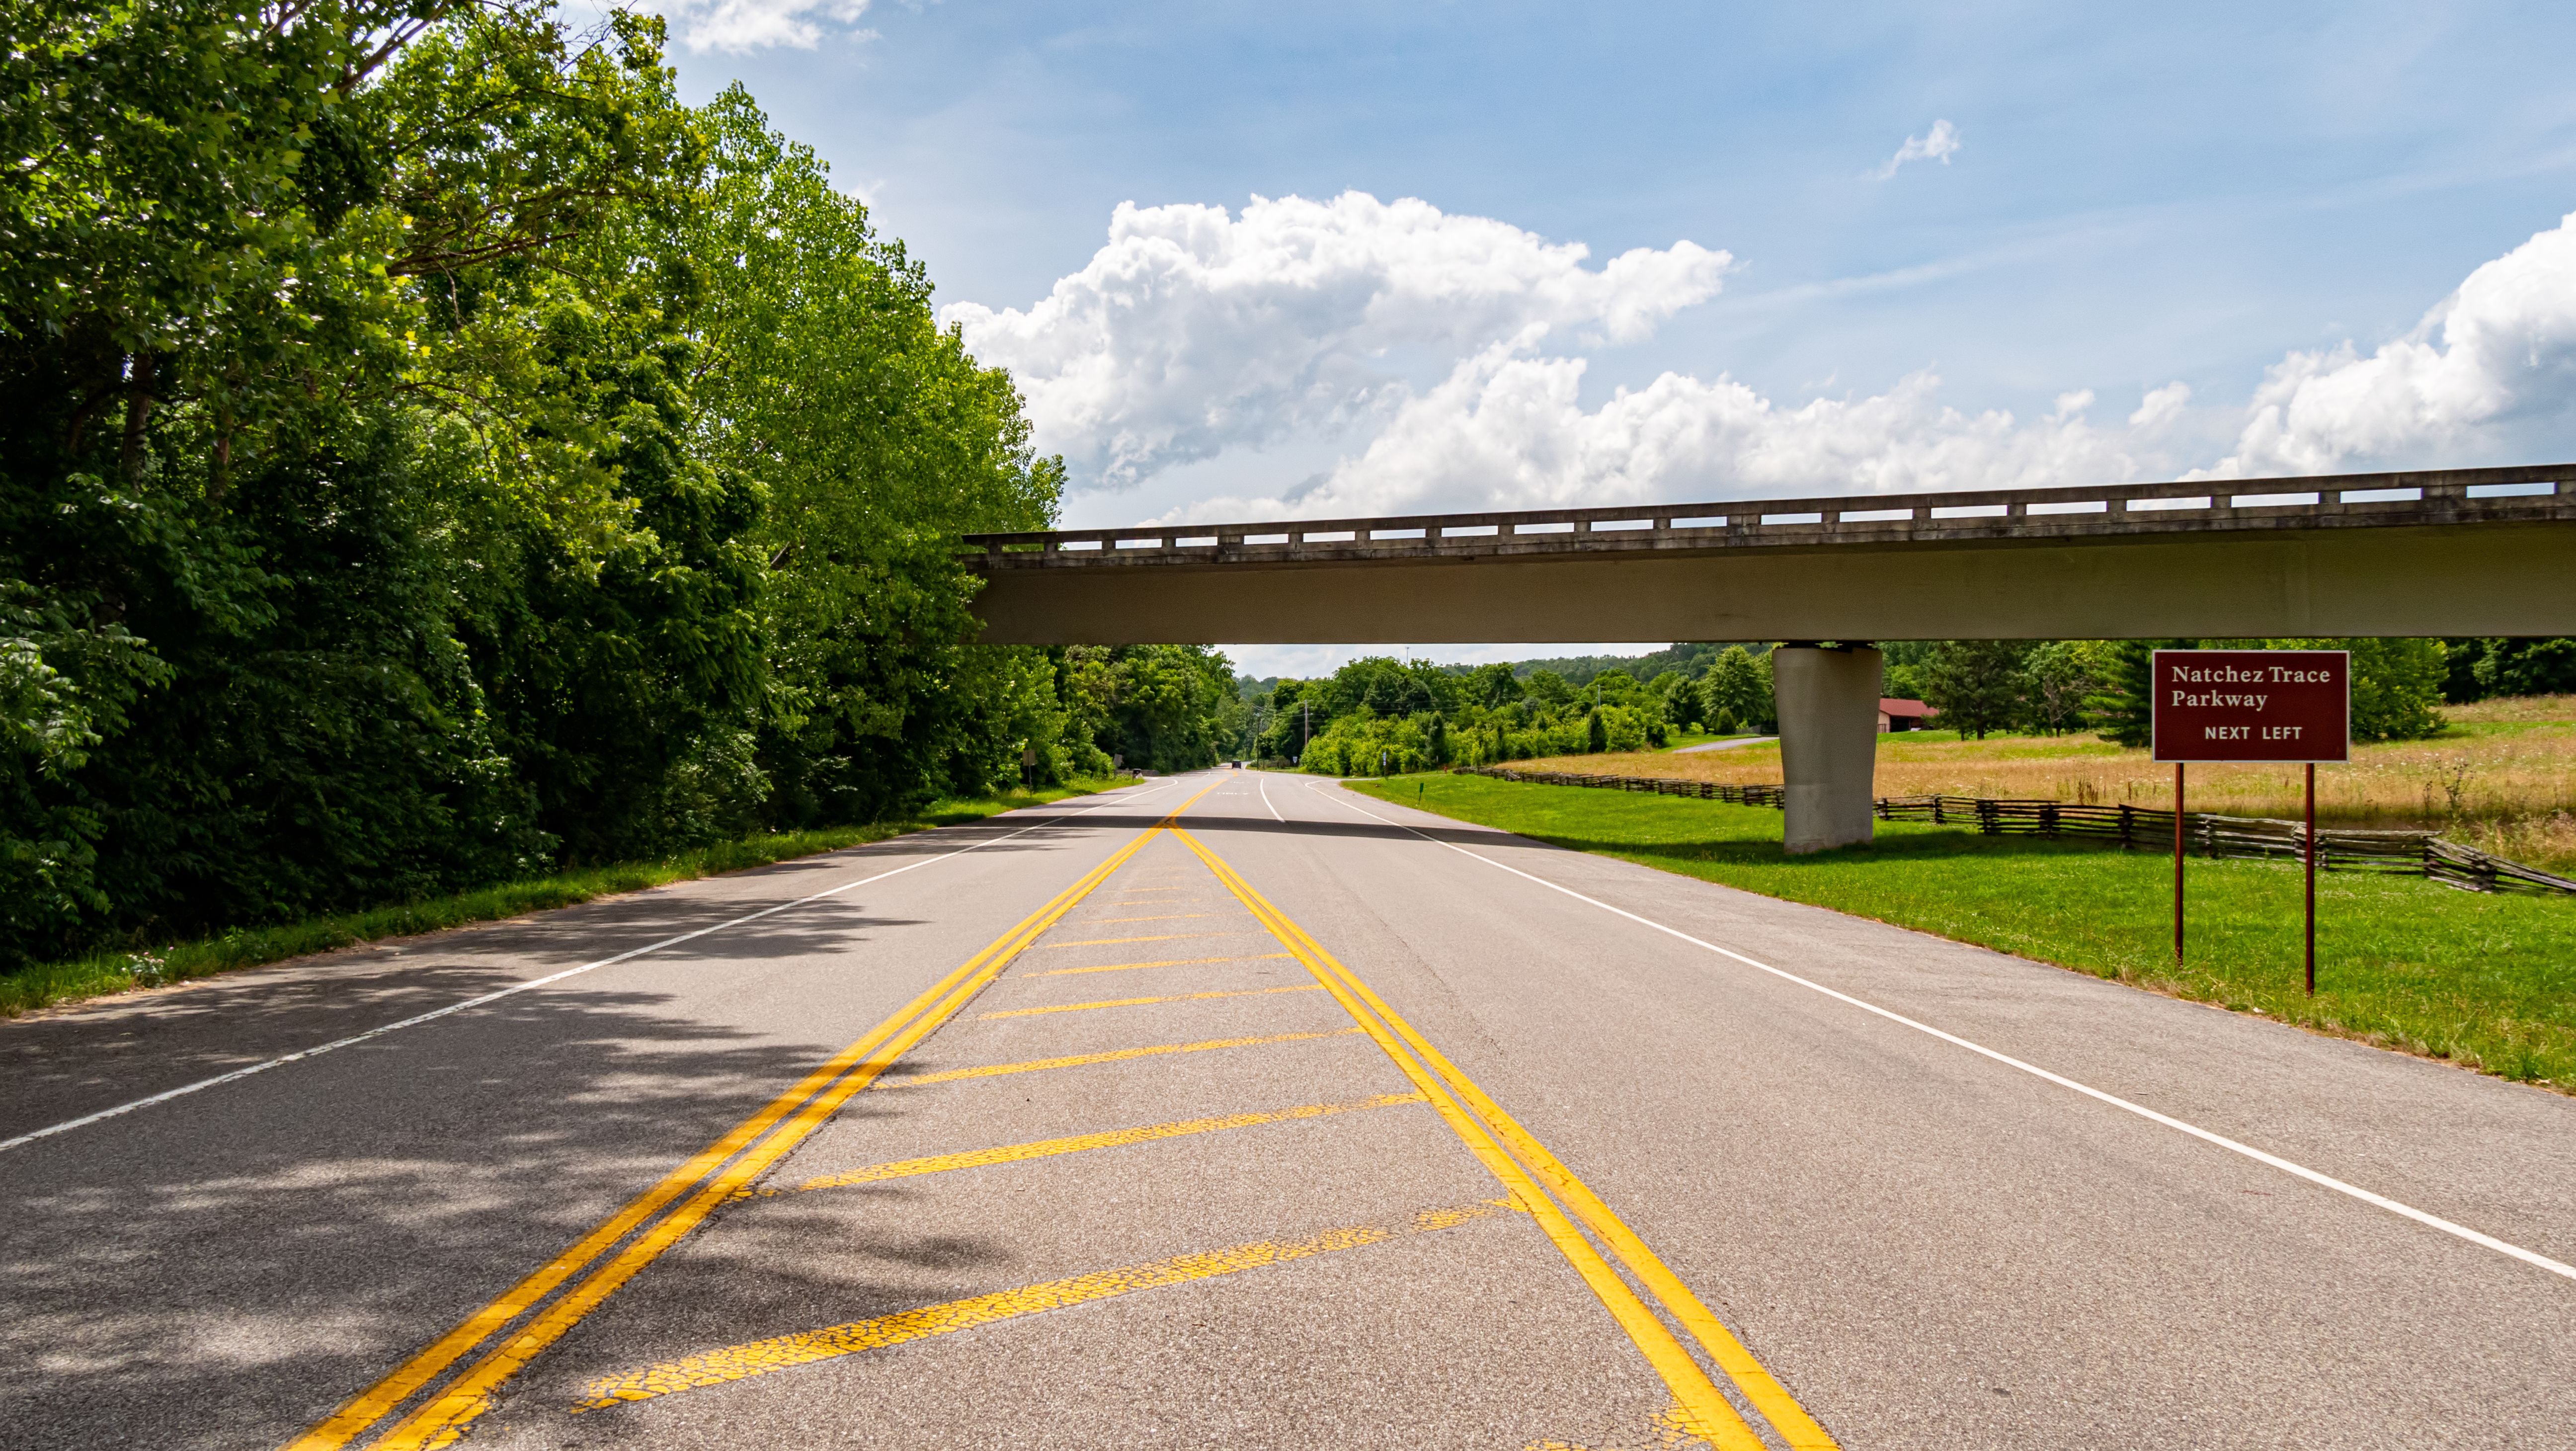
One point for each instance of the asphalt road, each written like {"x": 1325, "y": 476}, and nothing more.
{"x": 1727, "y": 745}
{"x": 1238, "y": 1110}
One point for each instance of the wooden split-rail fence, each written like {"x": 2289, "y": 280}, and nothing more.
{"x": 2135, "y": 828}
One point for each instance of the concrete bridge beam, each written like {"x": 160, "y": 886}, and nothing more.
{"x": 2453, "y": 552}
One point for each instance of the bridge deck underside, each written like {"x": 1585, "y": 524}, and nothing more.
{"x": 2480, "y": 579}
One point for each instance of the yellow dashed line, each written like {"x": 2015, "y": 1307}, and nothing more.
{"x": 1120, "y": 1056}
{"x": 1248, "y": 992}
{"x": 1164, "y": 917}
{"x": 760, "y": 1357}
{"x": 1166, "y": 962}
{"x": 1166, "y": 937}
{"x": 1108, "y": 1139}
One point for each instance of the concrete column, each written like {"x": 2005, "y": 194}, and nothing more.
{"x": 1828, "y": 703}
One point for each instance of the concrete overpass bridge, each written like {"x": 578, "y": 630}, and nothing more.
{"x": 2443, "y": 552}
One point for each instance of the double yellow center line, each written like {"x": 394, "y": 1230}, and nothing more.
{"x": 713, "y": 1176}
{"x": 1522, "y": 1163}
{"x": 542, "y": 1310}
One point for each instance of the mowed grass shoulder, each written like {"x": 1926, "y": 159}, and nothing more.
{"x": 2488, "y": 982}
{"x": 57, "y": 983}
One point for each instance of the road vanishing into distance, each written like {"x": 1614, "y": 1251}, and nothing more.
{"x": 1239, "y": 1110}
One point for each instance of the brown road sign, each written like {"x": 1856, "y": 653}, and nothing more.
{"x": 2253, "y": 705}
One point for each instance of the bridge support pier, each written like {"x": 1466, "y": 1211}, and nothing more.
{"x": 1828, "y": 702}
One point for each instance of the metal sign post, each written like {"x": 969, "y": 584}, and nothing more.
{"x": 2177, "y": 863}
{"x": 2253, "y": 705}
{"x": 2311, "y": 844}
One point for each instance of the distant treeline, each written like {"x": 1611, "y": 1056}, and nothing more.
{"x": 1380, "y": 714}
{"x": 431, "y": 453}
{"x": 2056, "y": 686}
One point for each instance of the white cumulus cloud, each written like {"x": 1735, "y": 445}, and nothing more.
{"x": 2160, "y": 407}
{"x": 2499, "y": 350}
{"x": 1194, "y": 329}
{"x": 1939, "y": 144}
{"x": 740, "y": 26}
{"x": 1507, "y": 430}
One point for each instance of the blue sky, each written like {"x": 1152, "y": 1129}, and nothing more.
{"x": 2214, "y": 196}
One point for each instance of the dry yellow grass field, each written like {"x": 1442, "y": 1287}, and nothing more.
{"x": 2502, "y": 778}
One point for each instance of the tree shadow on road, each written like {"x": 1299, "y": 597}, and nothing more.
{"x": 60, "y": 1066}
{"x": 227, "y": 1268}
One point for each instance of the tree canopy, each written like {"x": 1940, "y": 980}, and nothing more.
{"x": 432, "y": 452}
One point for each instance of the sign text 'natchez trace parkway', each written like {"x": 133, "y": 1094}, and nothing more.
{"x": 2253, "y": 705}
{"x": 2290, "y": 706}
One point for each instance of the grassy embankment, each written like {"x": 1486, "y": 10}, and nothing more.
{"x": 54, "y": 984}
{"x": 2488, "y": 982}
{"x": 2501, "y": 778}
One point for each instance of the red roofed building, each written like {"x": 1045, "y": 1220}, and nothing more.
{"x": 1902, "y": 715}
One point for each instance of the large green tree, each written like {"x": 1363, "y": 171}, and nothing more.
{"x": 239, "y": 454}
{"x": 1157, "y": 707}
{"x": 2123, "y": 699}
{"x": 1737, "y": 691}
{"x": 1491, "y": 685}
{"x": 877, "y": 440}
{"x": 1976, "y": 685}
{"x": 430, "y": 451}
{"x": 2525, "y": 667}
{"x": 2396, "y": 684}
{"x": 1390, "y": 687}
{"x": 2057, "y": 680}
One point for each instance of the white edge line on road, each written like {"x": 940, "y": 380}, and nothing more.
{"x": 353, "y": 1039}
{"x": 1264, "y": 787}
{"x": 2326, "y": 1181}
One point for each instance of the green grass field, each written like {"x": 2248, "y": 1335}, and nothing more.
{"x": 54, "y": 984}
{"x": 2488, "y": 982}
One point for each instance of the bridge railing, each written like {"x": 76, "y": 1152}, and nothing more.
{"x": 2424, "y": 497}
